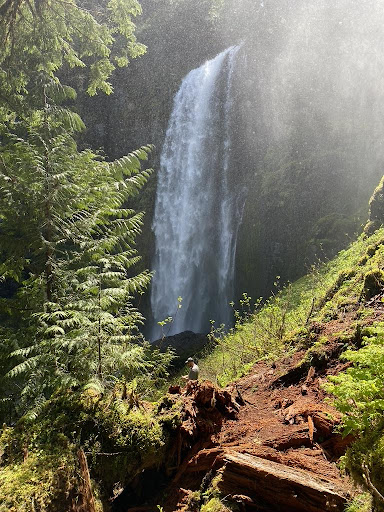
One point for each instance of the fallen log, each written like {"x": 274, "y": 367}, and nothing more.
{"x": 303, "y": 369}
{"x": 290, "y": 440}
{"x": 201, "y": 461}
{"x": 283, "y": 488}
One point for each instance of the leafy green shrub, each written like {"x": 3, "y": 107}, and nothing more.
{"x": 359, "y": 396}
{"x": 359, "y": 392}
{"x": 361, "y": 503}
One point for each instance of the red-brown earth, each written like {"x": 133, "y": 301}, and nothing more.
{"x": 271, "y": 438}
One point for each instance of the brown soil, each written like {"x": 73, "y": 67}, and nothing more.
{"x": 276, "y": 413}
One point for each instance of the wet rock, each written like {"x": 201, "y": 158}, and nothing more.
{"x": 185, "y": 344}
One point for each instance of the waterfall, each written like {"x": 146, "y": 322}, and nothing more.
{"x": 198, "y": 207}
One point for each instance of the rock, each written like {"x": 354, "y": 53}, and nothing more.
{"x": 376, "y": 209}
{"x": 185, "y": 344}
{"x": 241, "y": 498}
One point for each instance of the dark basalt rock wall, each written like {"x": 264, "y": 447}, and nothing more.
{"x": 185, "y": 344}
{"x": 306, "y": 140}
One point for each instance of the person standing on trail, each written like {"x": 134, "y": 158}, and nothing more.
{"x": 193, "y": 370}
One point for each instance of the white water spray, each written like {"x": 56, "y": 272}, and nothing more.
{"x": 198, "y": 211}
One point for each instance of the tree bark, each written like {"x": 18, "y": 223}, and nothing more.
{"x": 280, "y": 487}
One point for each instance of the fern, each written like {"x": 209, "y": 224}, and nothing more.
{"x": 71, "y": 250}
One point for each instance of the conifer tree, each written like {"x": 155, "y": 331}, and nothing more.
{"x": 66, "y": 234}
{"x": 68, "y": 241}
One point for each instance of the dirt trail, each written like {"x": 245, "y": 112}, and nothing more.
{"x": 273, "y": 440}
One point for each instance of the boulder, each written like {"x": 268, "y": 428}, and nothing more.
{"x": 185, "y": 344}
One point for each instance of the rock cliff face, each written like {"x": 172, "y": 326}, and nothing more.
{"x": 306, "y": 143}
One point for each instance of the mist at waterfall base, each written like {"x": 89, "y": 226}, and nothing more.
{"x": 306, "y": 130}
{"x": 310, "y": 130}
{"x": 198, "y": 209}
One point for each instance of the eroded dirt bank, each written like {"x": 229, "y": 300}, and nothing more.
{"x": 268, "y": 442}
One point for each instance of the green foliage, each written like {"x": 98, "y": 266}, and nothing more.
{"x": 362, "y": 503}
{"x": 39, "y": 38}
{"x": 359, "y": 396}
{"x": 67, "y": 262}
{"x": 67, "y": 234}
{"x": 70, "y": 248}
{"x": 215, "y": 505}
{"x": 359, "y": 393}
{"x": 112, "y": 434}
{"x": 266, "y": 329}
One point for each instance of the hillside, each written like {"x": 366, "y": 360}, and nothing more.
{"x": 205, "y": 449}
{"x": 285, "y": 416}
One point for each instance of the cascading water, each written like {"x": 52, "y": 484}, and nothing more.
{"x": 198, "y": 210}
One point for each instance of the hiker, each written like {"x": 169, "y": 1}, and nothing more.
{"x": 193, "y": 370}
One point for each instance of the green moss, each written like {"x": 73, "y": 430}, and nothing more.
{"x": 376, "y": 209}
{"x": 371, "y": 249}
{"x": 317, "y": 352}
{"x": 361, "y": 503}
{"x": 44, "y": 481}
{"x": 214, "y": 505}
{"x": 366, "y": 455}
{"x": 343, "y": 276}
{"x": 119, "y": 442}
{"x": 373, "y": 283}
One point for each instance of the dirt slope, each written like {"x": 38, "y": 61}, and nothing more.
{"x": 273, "y": 439}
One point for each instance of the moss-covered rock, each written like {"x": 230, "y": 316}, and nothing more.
{"x": 215, "y": 505}
{"x": 39, "y": 463}
{"x": 373, "y": 283}
{"x": 376, "y": 209}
